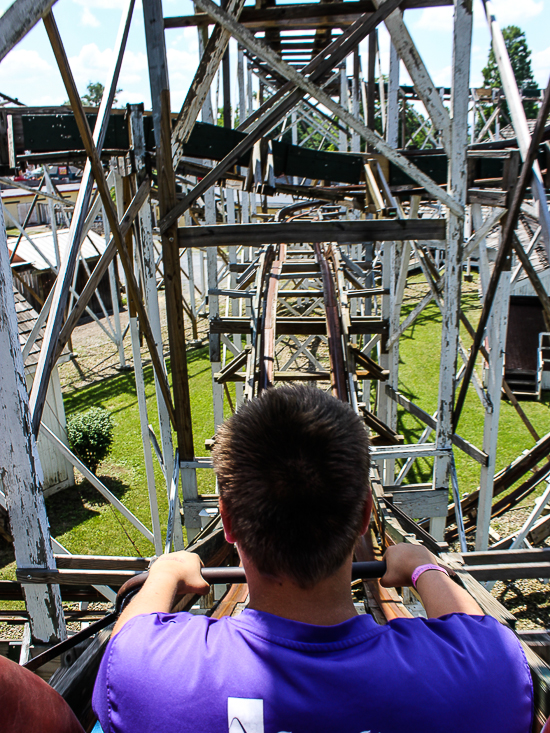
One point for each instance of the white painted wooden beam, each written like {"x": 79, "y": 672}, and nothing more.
{"x": 462, "y": 39}
{"x": 392, "y": 127}
{"x": 496, "y": 332}
{"x": 20, "y": 470}
{"x": 18, "y": 20}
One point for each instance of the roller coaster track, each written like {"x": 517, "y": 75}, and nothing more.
{"x": 308, "y": 280}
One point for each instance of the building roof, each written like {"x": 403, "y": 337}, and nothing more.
{"x": 27, "y": 196}
{"x": 43, "y": 251}
{"x": 26, "y": 319}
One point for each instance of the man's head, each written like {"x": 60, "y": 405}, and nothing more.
{"x": 292, "y": 468}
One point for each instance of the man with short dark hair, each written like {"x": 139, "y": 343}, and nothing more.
{"x": 292, "y": 469}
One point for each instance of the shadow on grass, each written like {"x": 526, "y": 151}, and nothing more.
{"x": 102, "y": 392}
{"x": 73, "y": 506}
{"x": 412, "y": 428}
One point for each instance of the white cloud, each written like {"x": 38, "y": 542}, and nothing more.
{"x": 182, "y": 66}
{"x": 437, "y": 20}
{"x": 512, "y": 11}
{"x": 24, "y": 69}
{"x": 89, "y": 19}
{"x": 102, "y": 4}
{"x": 540, "y": 61}
{"x": 91, "y": 64}
{"x": 187, "y": 39}
{"x": 125, "y": 98}
{"x": 442, "y": 77}
{"x": 134, "y": 70}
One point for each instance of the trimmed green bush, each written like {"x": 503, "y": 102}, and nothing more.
{"x": 90, "y": 435}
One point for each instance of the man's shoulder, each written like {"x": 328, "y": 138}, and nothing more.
{"x": 468, "y": 643}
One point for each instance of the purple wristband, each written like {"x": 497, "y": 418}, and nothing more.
{"x": 422, "y": 569}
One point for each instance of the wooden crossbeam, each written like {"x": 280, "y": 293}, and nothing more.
{"x": 319, "y": 15}
{"x": 343, "y": 232}
{"x": 18, "y": 20}
{"x": 480, "y": 456}
{"x": 374, "y": 369}
{"x": 299, "y": 326}
{"x": 509, "y": 571}
{"x": 229, "y": 372}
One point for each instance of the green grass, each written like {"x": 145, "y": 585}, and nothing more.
{"x": 80, "y": 518}
{"x": 420, "y": 351}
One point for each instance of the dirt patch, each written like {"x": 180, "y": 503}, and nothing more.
{"x": 96, "y": 357}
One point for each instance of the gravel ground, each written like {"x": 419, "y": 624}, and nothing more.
{"x": 528, "y": 600}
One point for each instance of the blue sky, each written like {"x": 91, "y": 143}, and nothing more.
{"x": 89, "y": 28}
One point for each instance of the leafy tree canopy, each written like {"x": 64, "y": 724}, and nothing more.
{"x": 520, "y": 58}
{"x": 94, "y": 95}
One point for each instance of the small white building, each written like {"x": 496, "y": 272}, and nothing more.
{"x": 58, "y": 472}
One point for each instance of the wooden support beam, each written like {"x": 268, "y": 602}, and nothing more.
{"x": 21, "y": 470}
{"x": 457, "y": 186}
{"x": 229, "y": 372}
{"x": 9, "y": 183}
{"x": 509, "y": 571}
{"x": 200, "y": 86}
{"x": 343, "y": 232}
{"x": 17, "y": 21}
{"x": 318, "y": 14}
{"x": 373, "y": 369}
{"x": 300, "y": 326}
{"x": 101, "y": 562}
{"x": 162, "y": 122}
{"x": 502, "y": 557}
{"x": 420, "y": 502}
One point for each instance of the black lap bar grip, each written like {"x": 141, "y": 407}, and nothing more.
{"x": 360, "y": 571}
{"x": 220, "y": 576}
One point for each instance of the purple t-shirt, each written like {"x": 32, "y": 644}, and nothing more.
{"x": 259, "y": 673}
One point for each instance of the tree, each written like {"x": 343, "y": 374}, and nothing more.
{"x": 94, "y": 95}
{"x": 520, "y": 58}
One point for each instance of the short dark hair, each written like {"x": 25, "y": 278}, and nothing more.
{"x": 293, "y": 474}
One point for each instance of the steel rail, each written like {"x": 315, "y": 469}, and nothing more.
{"x": 267, "y": 358}
{"x": 334, "y": 327}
